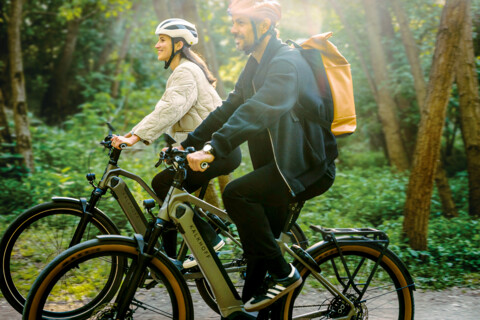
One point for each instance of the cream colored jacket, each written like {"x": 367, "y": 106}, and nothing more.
{"x": 188, "y": 99}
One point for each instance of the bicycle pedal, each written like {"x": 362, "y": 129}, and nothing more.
{"x": 306, "y": 257}
{"x": 177, "y": 263}
{"x": 150, "y": 284}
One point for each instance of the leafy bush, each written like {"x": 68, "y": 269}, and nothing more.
{"x": 364, "y": 197}
{"x": 453, "y": 255}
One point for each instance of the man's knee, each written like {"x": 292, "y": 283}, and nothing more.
{"x": 229, "y": 193}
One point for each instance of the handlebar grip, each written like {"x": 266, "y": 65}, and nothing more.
{"x": 122, "y": 145}
{"x": 204, "y": 165}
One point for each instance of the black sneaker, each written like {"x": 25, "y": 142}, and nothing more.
{"x": 274, "y": 290}
{"x": 190, "y": 261}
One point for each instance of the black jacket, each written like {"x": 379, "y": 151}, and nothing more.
{"x": 274, "y": 95}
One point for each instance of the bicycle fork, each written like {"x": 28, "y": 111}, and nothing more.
{"x": 137, "y": 272}
{"x": 87, "y": 216}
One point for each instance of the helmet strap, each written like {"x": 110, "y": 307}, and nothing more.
{"x": 258, "y": 40}
{"x": 167, "y": 64}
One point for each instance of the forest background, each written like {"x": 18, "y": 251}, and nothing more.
{"x": 411, "y": 169}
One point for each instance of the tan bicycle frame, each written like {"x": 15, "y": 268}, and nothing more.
{"x": 178, "y": 211}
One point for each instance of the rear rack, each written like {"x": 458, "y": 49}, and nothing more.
{"x": 330, "y": 234}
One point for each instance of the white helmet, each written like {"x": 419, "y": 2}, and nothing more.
{"x": 178, "y": 28}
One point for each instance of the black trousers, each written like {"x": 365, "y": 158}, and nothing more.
{"x": 258, "y": 204}
{"x": 162, "y": 182}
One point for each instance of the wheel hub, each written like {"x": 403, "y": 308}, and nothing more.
{"x": 109, "y": 312}
{"x": 340, "y": 308}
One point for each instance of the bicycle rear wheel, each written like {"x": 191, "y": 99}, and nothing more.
{"x": 36, "y": 237}
{"x": 388, "y": 296}
{"x": 83, "y": 282}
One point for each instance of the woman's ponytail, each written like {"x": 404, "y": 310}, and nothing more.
{"x": 188, "y": 54}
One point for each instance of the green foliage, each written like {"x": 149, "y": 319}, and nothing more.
{"x": 362, "y": 197}
{"x": 453, "y": 255}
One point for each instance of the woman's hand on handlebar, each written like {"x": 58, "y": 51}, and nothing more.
{"x": 196, "y": 159}
{"x": 129, "y": 140}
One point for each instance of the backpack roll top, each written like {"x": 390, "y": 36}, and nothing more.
{"x": 339, "y": 77}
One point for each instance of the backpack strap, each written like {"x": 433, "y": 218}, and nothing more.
{"x": 315, "y": 61}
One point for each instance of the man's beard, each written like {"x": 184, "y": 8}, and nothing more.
{"x": 247, "y": 49}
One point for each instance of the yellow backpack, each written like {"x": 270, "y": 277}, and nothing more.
{"x": 336, "y": 68}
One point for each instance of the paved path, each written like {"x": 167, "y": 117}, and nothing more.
{"x": 451, "y": 304}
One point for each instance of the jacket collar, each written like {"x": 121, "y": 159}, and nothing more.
{"x": 274, "y": 44}
{"x": 271, "y": 50}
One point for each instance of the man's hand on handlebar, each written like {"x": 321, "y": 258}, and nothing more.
{"x": 196, "y": 159}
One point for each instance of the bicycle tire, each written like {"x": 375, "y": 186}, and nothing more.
{"x": 296, "y": 235}
{"x": 35, "y": 238}
{"x": 82, "y": 269}
{"x": 393, "y": 300}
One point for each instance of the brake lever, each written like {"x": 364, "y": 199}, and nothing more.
{"x": 112, "y": 129}
{"x": 160, "y": 159}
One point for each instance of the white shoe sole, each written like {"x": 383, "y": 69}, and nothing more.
{"x": 265, "y": 303}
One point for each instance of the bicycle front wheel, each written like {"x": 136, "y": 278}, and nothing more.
{"x": 388, "y": 295}
{"x": 83, "y": 282}
{"x": 36, "y": 237}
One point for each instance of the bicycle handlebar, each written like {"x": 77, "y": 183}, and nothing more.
{"x": 172, "y": 155}
{"x": 108, "y": 143}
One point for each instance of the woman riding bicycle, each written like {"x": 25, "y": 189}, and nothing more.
{"x": 189, "y": 98}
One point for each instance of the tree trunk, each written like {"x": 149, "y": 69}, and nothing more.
{"x": 386, "y": 105}
{"x": 467, "y": 83}
{"x": 376, "y": 139}
{"x": 356, "y": 46}
{"x": 123, "y": 51}
{"x": 213, "y": 61}
{"x": 5, "y": 136}
{"x": 419, "y": 192}
{"x": 187, "y": 9}
{"x": 110, "y": 44}
{"x": 420, "y": 85}
{"x": 19, "y": 99}
{"x": 162, "y": 10}
{"x": 444, "y": 191}
{"x": 412, "y": 52}
{"x": 55, "y": 103}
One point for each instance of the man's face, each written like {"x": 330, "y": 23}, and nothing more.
{"x": 243, "y": 32}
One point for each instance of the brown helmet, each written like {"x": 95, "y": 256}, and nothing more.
{"x": 256, "y": 9}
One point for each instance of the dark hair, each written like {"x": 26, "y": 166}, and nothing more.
{"x": 188, "y": 54}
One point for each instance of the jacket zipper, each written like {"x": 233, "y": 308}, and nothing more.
{"x": 273, "y": 151}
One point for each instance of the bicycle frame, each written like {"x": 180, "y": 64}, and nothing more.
{"x": 177, "y": 210}
{"x": 110, "y": 180}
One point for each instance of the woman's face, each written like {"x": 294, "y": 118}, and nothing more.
{"x": 164, "y": 47}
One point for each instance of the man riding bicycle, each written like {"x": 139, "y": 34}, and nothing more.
{"x": 292, "y": 156}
